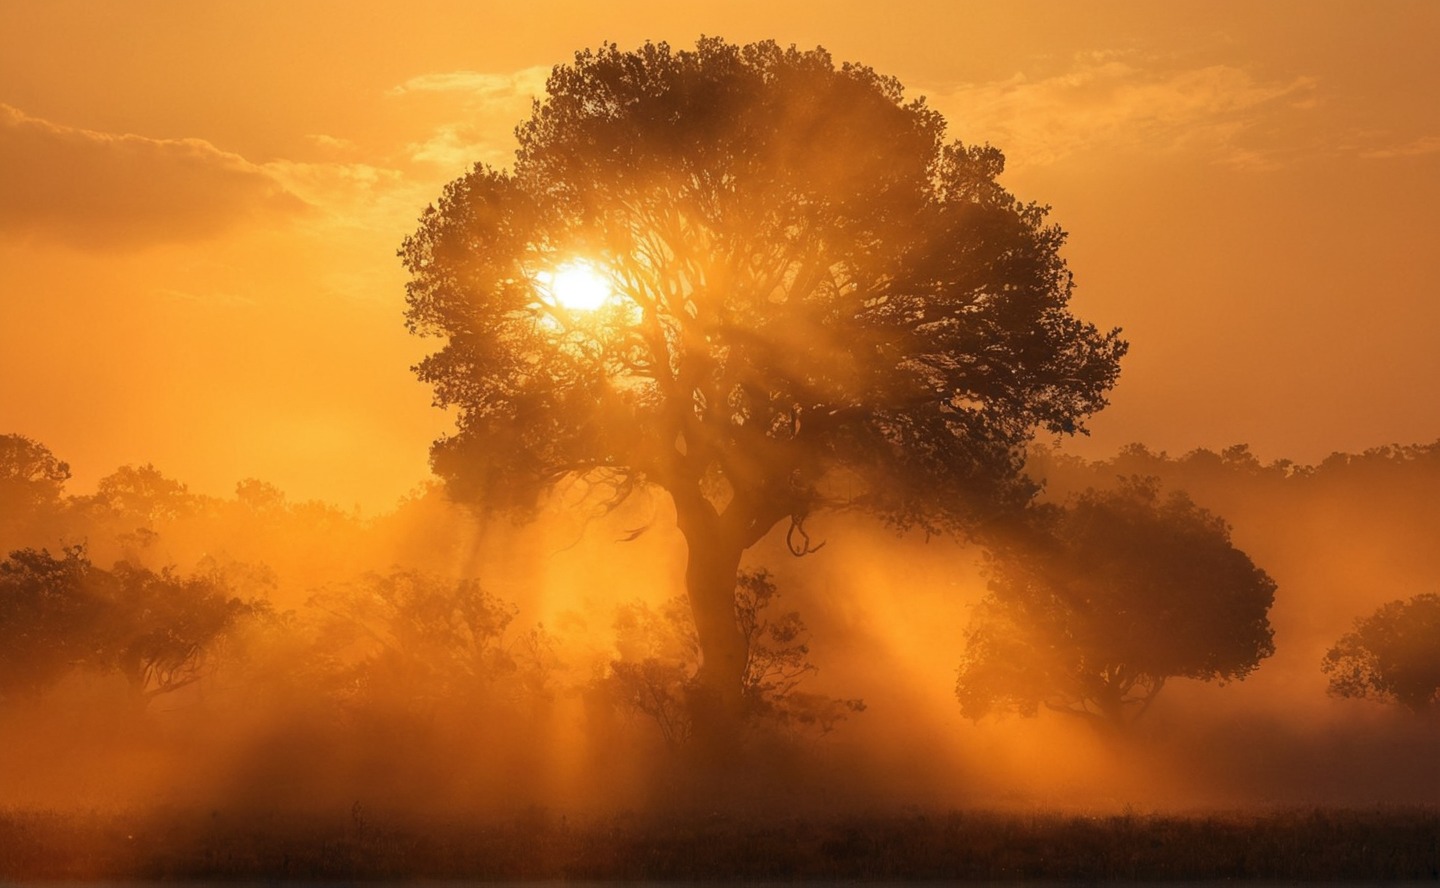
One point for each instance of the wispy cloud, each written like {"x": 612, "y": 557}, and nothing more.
{"x": 1419, "y": 147}
{"x": 1104, "y": 101}
{"x": 121, "y": 191}
{"x": 479, "y": 84}
{"x": 208, "y": 298}
{"x": 321, "y": 183}
{"x": 356, "y": 197}
{"x": 331, "y": 144}
{"x": 486, "y": 107}
{"x": 456, "y": 146}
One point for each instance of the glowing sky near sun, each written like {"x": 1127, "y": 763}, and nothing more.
{"x": 200, "y": 206}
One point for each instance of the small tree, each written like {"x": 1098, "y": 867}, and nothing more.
{"x": 660, "y": 657}
{"x": 51, "y": 615}
{"x": 142, "y": 495}
{"x": 818, "y": 301}
{"x": 1393, "y": 655}
{"x": 415, "y": 641}
{"x": 160, "y": 627}
{"x": 137, "y": 506}
{"x": 1109, "y": 599}
{"x": 30, "y": 475}
{"x": 58, "y": 615}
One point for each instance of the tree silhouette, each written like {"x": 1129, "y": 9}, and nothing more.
{"x": 58, "y": 615}
{"x": 159, "y": 627}
{"x": 1393, "y": 654}
{"x": 142, "y": 495}
{"x": 817, "y": 302}
{"x": 1115, "y": 595}
{"x": 32, "y": 480}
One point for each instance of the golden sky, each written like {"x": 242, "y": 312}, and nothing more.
{"x": 200, "y": 205}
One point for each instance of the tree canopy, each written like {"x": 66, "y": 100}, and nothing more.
{"x": 30, "y": 475}
{"x": 1393, "y": 655}
{"x": 32, "y": 480}
{"x": 1116, "y": 594}
{"x": 818, "y": 300}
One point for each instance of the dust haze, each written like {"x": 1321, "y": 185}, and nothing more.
{"x": 430, "y": 661}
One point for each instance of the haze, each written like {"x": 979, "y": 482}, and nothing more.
{"x": 231, "y": 584}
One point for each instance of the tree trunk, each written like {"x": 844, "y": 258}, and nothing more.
{"x": 710, "y": 577}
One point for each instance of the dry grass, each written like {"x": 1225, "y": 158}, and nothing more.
{"x": 1313, "y": 844}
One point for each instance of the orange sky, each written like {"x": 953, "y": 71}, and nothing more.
{"x": 200, "y": 205}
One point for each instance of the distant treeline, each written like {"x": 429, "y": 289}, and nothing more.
{"x": 391, "y": 630}
{"x": 390, "y": 581}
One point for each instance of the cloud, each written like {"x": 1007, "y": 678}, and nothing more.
{"x": 525, "y": 82}
{"x": 208, "y": 298}
{"x": 345, "y": 188}
{"x": 482, "y": 111}
{"x": 357, "y": 207}
{"x": 331, "y": 144}
{"x": 456, "y": 146}
{"x": 1414, "y": 148}
{"x": 116, "y": 191}
{"x": 1105, "y": 102}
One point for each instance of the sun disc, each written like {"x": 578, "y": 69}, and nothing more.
{"x": 578, "y": 287}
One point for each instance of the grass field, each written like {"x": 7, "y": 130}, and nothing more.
{"x": 1311, "y": 844}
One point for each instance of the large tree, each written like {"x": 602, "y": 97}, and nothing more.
{"x": 817, "y": 299}
{"x": 1105, "y": 600}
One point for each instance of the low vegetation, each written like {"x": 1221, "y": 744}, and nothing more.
{"x": 1308, "y": 844}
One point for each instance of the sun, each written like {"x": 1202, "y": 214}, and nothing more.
{"x": 576, "y": 286}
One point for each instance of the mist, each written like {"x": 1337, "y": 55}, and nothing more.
{"x": 349, "y": 681}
